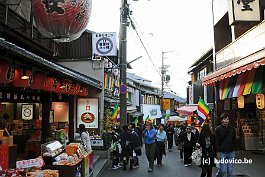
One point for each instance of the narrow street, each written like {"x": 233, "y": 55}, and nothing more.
{"x": 172, "y": 166}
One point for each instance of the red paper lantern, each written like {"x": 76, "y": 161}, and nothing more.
{"x": 50, "y": 84}
{"x": 7, "y": 72}
{"x": 18, "y": 81}
{"x": 38, "y": 81}
{"x": 63, "y": 19}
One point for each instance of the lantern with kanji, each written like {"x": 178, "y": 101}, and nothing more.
{"x": 22, "y": 78}
{"x": 7, "y": 72}
{"x": 63, "y": 20}
{"x": 38, "y": 81}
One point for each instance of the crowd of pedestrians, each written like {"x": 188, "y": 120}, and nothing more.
{"x": 218, "y": 143}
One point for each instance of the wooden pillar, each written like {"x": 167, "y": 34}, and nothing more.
{"x": 71, "y": 120}
{"x": 46, "y": 107}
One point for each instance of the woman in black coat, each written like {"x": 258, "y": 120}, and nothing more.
{"x": 207, "y": 143}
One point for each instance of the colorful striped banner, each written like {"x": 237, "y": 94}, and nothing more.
{"x": 226, "y": 88}
{"x": 232, "y": 84}
{"x": 238, "y": 83}
{"x": 243, "y": 84}
{"x": 249, "y": 83}
{"x": 258, "y": 82}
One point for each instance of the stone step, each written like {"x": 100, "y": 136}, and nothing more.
{"x": 99, "y": 168}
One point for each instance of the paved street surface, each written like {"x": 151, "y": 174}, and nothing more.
{"x": 172, "y": 167}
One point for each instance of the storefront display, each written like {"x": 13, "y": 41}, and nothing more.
{"x": 72, "y": 161}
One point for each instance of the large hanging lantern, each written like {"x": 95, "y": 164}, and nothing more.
{"x": 241, "y": 102}
{"x": 23, "y": 77}
{"x": 260, "y": 101}
{"x": 7, "y": 72}
{"x": 64, "y": 20}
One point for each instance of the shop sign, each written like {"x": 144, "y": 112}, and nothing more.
{"x": 87, "y": 112}
{"x": 205, "y": 94}
{"x": 104, "y": 44}
{"x": 243, "y": 11}
{"x": 115, "y": 92}
{"x": 190, "y": 88}
{"x": 166, "y": 104}
{"x": 19, "y": 97}
{"x": 38, "y": 162}
{"x": 153, "y": 111}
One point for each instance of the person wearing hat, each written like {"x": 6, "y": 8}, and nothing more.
{"x": 225, "y": 144}
{"x": 189, "y": 140}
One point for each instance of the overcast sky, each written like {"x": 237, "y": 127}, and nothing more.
{"x": 184, "y": 26}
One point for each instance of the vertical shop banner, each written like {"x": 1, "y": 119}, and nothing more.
{"x": 243, "y": 10}
{"x": 87, "y": 112}
{"x": 104, "y": 44}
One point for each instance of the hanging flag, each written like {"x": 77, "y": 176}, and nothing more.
{"x": 115, "y": 113}
{"x": 136, "y": 121}
{"x": 249, "y": 83}
{"x": 257, "y": 84}
{"x": 202, "y": 111}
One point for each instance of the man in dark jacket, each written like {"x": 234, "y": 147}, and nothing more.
{"x": 127, "y": 146}
{"x": 189, "y": 140}
{"x": 225, "y": 138}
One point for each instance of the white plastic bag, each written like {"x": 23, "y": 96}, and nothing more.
{"x": 196, "y": 156}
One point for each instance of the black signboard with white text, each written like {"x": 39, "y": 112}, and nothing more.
{"x": 19, "y": 96}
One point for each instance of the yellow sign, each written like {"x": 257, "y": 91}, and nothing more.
{"x": 166, "y": 104}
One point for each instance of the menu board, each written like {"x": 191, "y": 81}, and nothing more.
{"x": 87, "y": 112}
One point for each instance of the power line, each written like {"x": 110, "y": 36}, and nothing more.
{"x": 133, "y": 26}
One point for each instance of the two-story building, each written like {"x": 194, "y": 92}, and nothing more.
{"x": 238, "y": 77}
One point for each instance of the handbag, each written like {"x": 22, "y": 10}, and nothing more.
{"x": 180, "y": 146}
{"x": 196, "y": 156}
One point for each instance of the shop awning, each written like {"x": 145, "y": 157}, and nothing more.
{"x": 58, "y": 69}
{"x": 137, "y": 114}
{"x": 187, "y": 109}
{"x": 131, "y": 109}
{"x": 232, "y": 70}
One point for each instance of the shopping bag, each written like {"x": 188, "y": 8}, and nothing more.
{"x": 196, "y": 156}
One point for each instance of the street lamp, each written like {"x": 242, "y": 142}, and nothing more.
{"x": 124, "y": 13}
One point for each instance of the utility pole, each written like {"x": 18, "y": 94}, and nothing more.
{"x": 163, "y": 73}
{"x": 122, "y": 58}
{"x": 162, "y": 80}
